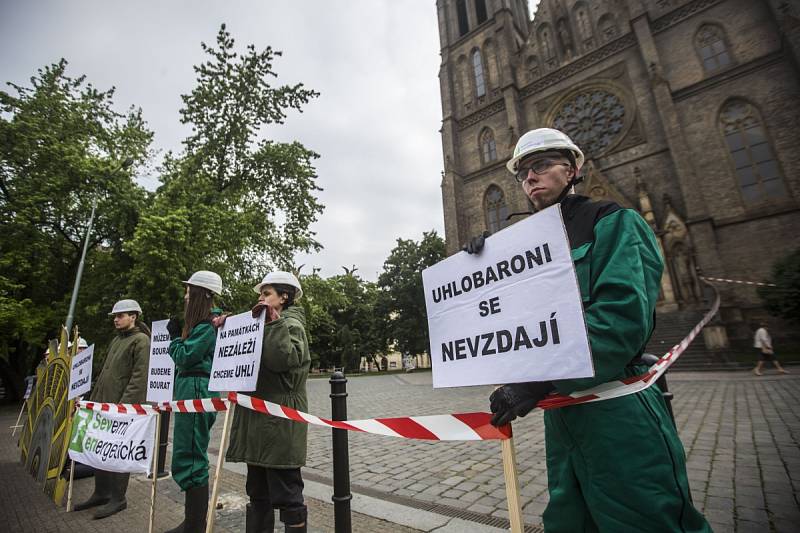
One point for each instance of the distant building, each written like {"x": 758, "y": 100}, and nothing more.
{"x": 688, "y": 111}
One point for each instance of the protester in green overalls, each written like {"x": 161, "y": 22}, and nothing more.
{"x": 192, "y": 350}
{"x": 275, "y": 448}
{"x": 612, "y": 465}
{"x": 122, "y": 380}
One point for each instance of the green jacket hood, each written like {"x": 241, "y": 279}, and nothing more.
{"x": 296, "y": 312}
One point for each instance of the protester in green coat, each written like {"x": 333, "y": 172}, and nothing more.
{"x": 618, "y": 464}
{"x": 192, "y": 350}
{"x": 123, "y": 379}
{"x": 275, "y": 448}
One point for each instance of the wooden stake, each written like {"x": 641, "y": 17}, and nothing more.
{"x": 16, "y": 424}
{"x": 154, "y": 473}
{"x": 71, "y": 477}
{"x": 212, "y": 505}
{"x": 512, "y": 486}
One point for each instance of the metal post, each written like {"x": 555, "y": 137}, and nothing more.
{"x": 74, "y": 299}
{"x": 71, "y": 313}
{"x": 341, "y": 456}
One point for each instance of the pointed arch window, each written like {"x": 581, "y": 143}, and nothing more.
{"x": 477, "y": 69}
{"x": 710, "y": 44}
{"x": 753, "y": 160}
{"x": 488, "y": 146}
{"x": 461, "y": 13}
{"x": 480, "y": 11}
{"x": 495, "y": 208}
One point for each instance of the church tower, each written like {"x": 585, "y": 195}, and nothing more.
{"x": 478, "y": 43}
{"x": 682, "y": 108}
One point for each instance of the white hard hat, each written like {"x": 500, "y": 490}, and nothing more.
{"x": 283, "y": 278}
{"x": 206, "y": 279}
{"x": 126, "y": 306}
{"x": 81, "y": 343}
{"x": 542, "y": 140}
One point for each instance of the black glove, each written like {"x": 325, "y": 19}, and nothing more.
{"x": 174, "y": 328}
{"x": 475, "y": 244}
{"x": 517, "y": 399}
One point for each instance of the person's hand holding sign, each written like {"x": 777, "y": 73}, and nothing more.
{"x": 174, "y": 328}
{"x": 517, "y": 399}
{"x": 272, "y": 313}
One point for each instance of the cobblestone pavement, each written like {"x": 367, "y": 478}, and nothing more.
{"x": 25, "y": 508}
{"x": 741, "y": 435}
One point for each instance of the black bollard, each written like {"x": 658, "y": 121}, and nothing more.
{"x": 341, "y": 456}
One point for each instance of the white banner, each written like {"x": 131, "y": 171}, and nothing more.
{"x": 161, "y": 373}
{"x": 510, "y": 314}
{"x": 80, "y": 377}
{"x": 113, "y": 442}
{"x": 237, "y": 355}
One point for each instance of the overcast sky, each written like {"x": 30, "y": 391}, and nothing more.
{"x": 375, "y": 124}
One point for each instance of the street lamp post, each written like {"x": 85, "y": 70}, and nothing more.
{"x": 71, "y": 313}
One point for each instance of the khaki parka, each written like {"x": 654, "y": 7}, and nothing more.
{"x": 124, "y": 375}
{"x": 265, "y": 440}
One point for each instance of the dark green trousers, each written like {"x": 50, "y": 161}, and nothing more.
{"x": 617, "y": 465}
{"x": 190, "y": 435}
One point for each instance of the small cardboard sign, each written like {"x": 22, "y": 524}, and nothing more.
{"x": 80, "y": 377}
{"x": 161, "y": 371}
{"x": 510, "y": 314}
{"x": 237, "y": 354}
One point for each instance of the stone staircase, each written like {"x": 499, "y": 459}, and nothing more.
{"x": 671, "y": 328}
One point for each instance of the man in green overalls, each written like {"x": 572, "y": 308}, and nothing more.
{"x": 192, "y": 350}
{"x": 618, "y": 464}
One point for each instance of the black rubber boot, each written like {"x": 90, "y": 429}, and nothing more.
{"x": 119, "y": 486}
{"x": 101, "y": 494}
{"x": 296, "y": 516}
{"x": 260, "y": 517}
{"x": 196, "y": 510}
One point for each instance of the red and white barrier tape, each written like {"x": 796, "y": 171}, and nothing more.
{"x": 633, "y": 384}
{"x": 120, "y": 408}
{"x": 204, "y": 405}
{"x": 459, "y": 426}
{"x": 722, "y": 280}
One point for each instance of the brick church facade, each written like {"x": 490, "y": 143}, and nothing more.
{"x": 688, "y": 111}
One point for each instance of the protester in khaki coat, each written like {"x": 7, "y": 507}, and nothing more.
{"x": 275, "y": 448}
{"x": 123, "y": 379}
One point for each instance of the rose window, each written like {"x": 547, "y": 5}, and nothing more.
{"x": 593, "y": 120}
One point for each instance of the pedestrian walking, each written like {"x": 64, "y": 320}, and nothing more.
{"x": 762, "y": 341}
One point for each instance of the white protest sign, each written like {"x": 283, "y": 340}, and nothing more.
{"x": 113, "y": 442}
{"x": 237, "y": 355}
{"x": 510, "y": 314}
{"x": 30, "y": 381}
{"x": 80, "y": 377}
{"x": 161, "y": 372}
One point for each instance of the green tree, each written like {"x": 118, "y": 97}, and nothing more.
{"x": 232, "y": 201}
{"x": 783, "y": 300}
{"x": 402, "y": 299}
{"x": 61, "y": 148}
{"x": 342, "y": 318}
